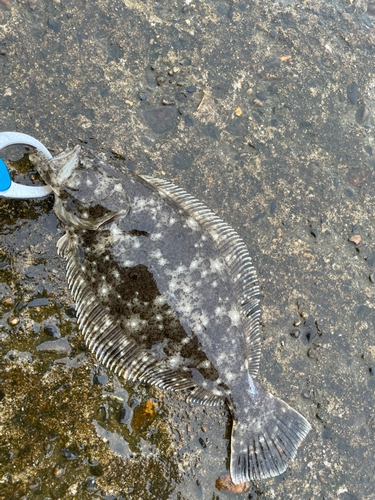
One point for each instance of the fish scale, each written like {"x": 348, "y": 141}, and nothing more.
{"x": 166, "y": 293}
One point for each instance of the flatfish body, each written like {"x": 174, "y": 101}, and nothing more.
{"x": 166, "y": 293}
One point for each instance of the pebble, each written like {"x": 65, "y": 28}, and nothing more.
{"x": 362, "y": 114}
{"x": 53, "y": 331}
{"x": 142, "y": 96}
{"x": 274, "y": 122}
{"x": 59, "y": 471}
{"x": 314, "y": 232}
{"x": 189, "y": 121}
{"x": 160, "y": 80}
{"x": 60, "y": 345}
{"x": 356, "y": 176}
{"x": 371, "y": 9}
{"x": 54, "y": 25}
{"x": 312, "y": 354}
{"x": 295, "y": 333}
{"x": 225, "y": 483}
{"x": 90, "y": 483}
{"x": 192, "y": 88}
{"x": 372, "y": 278}
{"x": 273, "y": 34}
{"x": 71, "y": 311}
{"x": 68, "y": 454}
{"x": 165, "y": 102}
{"x": 181, "y": 84}
{"x": 352, "y": 93}
{"x": 3, "y": 52}
{"x": 258, "y": 102}
{"x": 14, "y": 321}
{"x": 38, "y": 302}
{"x": 8, "y": 301}
{"x": 355, "y": 239}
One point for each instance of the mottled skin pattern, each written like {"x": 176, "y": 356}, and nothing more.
{"x": 161, "y": 279}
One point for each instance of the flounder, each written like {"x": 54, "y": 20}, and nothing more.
{"x": 166, "y": 293}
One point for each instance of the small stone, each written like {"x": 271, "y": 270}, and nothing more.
{"x": 185, "y": 9}
{"x": 372, "y": 370}
{"x": 312, "y": 354}
{"x": 160, "y": 80}
{"x": 297, "y": 323}
{"x": 142, "y": 96}
{"x": 71, "y": 311}
{"x": 192, "y": 88}
{"x": 204, "y": 429}
{"x": 189, "y": 121}
{"x": 238, "y": 111}
{"x": 225, "y": 483}
{"x": 314, "y": 232}
{"x": 68, "y": 454}
{"x": 59, "y": 471}
{"x": 8, "y": 301}
{"x": 295, "y": 333}
{"x": 362, "y": 114}
{"x": 372, "y": 278}
{"x": 166, "y": 102}
{"x": 54, "y": 25}
{"x": 356, "y": 176}
{"x": 38, "y": 302}
{"x": 273, "y": 34}
{"x": 14, "y": 321}
{"x": 181, "y": 84}
{"x": 274, "y": 122}
{"x": 60, "y": 346}
{"x": 53, "y": 331}
{"x": 352, "y": 93}
{"x": 257, "y": 102}
{"x": 90, "y": 483}
{"x": 356, "y": 239}
{"x": 371, "y": 9}
{"x": 3, "y": 52}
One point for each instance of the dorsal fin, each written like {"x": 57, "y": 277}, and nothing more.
{"x": 235, "y": 254}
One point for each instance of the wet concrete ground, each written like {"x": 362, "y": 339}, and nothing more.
{"x": 268, "y": 119}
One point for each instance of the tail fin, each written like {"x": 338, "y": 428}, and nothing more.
{"x": 264, "y": 436}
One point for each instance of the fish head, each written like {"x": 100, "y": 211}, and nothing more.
{"x": 87, "y": 194}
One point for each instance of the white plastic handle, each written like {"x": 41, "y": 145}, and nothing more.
{"x": 19, "y": 191}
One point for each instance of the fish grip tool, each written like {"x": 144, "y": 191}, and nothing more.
{"x": 10, "y": 189}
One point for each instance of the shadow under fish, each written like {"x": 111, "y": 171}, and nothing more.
{"x": 166, "y": 293}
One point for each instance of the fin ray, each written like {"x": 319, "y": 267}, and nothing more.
{"x": 235, "y": 254}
